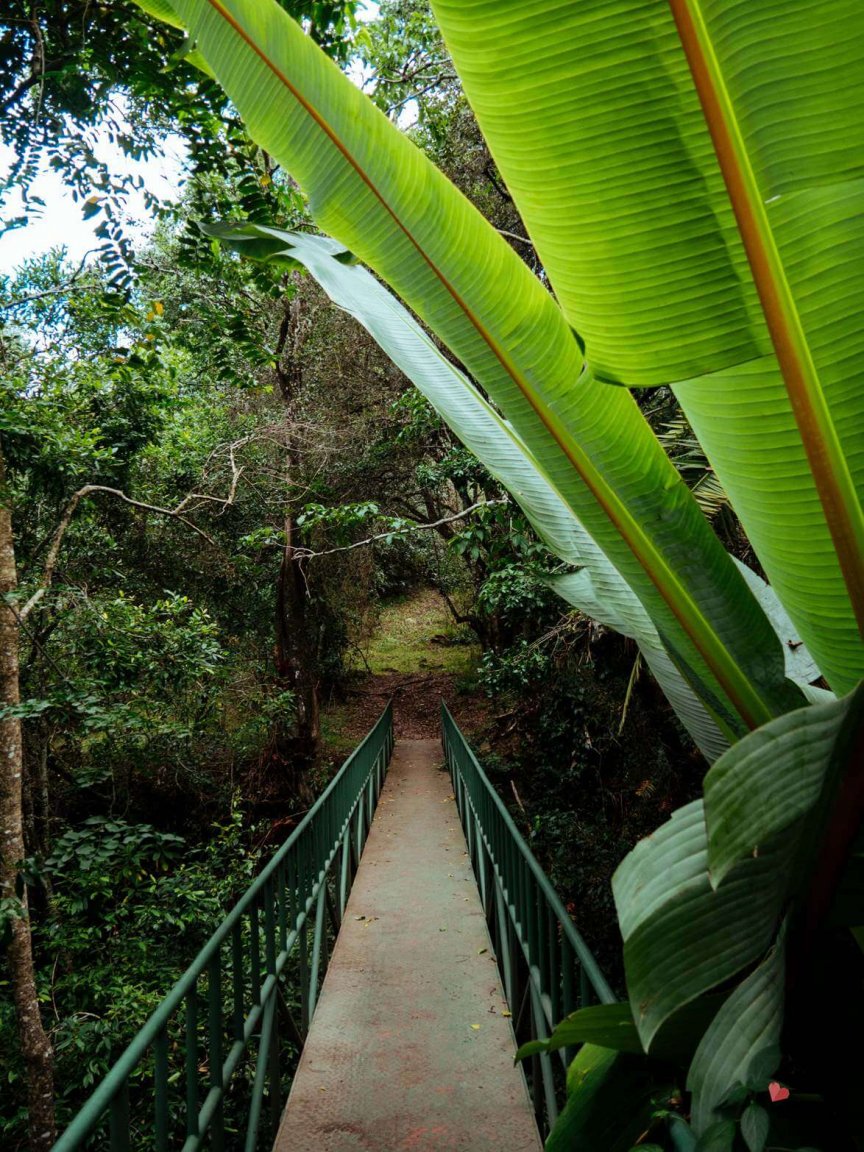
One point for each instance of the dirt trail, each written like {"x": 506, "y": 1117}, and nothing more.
{"x": 418, "y": 658}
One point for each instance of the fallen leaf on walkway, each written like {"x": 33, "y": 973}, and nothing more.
{"x": 476, "y": 1027}
{"x": 359, "y": 917}
{"x": 480, "y": 951}
{"x": 506, "y": 1013}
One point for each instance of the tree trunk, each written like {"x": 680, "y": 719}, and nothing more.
{"x": 295, "y": 648}
{"x": 35, "y": 1045}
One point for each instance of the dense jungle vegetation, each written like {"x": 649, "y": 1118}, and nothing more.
{"x": 222, "y": 500}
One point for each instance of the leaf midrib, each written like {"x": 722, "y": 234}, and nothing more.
{"x": 737, "y": 686}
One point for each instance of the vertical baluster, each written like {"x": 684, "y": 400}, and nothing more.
{"x": 119, "y": 1119}
{"x": 586, "y": 992}
{"x": 160, "y": 1089}
{"x": 568, "y": 990}
{"x": 255, "y": 953}
{"x": 303, "y": 955}
{"x": 292, "y": 903}
{"x": 553, "y": 954}
{"x": 214, "y": 1021}
{"x": 504, "y": 951}
{"x": 485, "y": 894}
{"x": 282, "y": 904}
{"x": 237, "y": 1014}
{"x": 316, "y": 952}
{"x": 192, "y": 1062}
{"x": 345, "y": 872}
{"x": 524, "y": 914}
{"x": 270, "y": 929}
{"x": 541, "y": 1032}
{"x": 274, "y": 1072}
{"x": 360, "y": 838}
{"x": 332, "y": 909}
{"x": 254, "y": 1113}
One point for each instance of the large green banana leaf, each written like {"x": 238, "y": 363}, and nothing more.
{"x": 598, "y": 589}
{"x": 701, "y": 899}
{"x": 593, "y": 118}
{"x": 378, "y": 195}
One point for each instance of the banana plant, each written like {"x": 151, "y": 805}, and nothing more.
{"x": 691, "y": 173}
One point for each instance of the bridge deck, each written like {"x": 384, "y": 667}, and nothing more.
{"x": 408, "y": 1048}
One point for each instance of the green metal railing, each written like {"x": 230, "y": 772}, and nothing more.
{"x": 180, "y": 1065}
{"x": 546, "y": 967}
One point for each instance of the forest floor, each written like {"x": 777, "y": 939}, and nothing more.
{"x": 418, "y": 656}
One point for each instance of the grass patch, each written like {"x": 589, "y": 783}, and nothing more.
{"x": 336, "y": 734}
{"x": 416, "y": 634}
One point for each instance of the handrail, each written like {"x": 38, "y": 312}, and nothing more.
{"x": 544, "y": 962}
{"x": 243, "y": 987}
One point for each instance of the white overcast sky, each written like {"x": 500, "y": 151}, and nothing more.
{"x": 61, "y": 221}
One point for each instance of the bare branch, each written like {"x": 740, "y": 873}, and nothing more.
{"x": 515, "y": 236}
{"x": 66, "y": 519}
{"x": 308, "y": 554}
{"x": 58, "y": 290}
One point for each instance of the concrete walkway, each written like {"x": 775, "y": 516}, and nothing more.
{"x": 409, "y": 1047}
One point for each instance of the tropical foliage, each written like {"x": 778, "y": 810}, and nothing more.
{"x": 691, "y": 178}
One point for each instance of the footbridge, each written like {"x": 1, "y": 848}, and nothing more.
{"x": 370, "y": 988}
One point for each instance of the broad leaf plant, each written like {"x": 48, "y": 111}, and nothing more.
{"x": 691, "y": 173}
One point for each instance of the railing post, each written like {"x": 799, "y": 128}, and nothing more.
{"x": 192, "y": 1062}
{"x": 541, "y": 1032}
{"x": 316, "y": 952}
{"x": 160, "y": 1090}
{"x": 119, "y": 1120}
{"x": 345, "y": 871}
{"x": 214, "y": 1055}
{"x": 260, "y": 1076}
{"x": 274, "y": 1076}
{"x": 303, "y": 955}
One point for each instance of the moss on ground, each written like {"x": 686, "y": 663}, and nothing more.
{"x": 416, "y": 634}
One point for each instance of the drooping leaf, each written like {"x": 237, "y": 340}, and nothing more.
{"x": 598, "y": 589}
{"x": 612, "y": 1026}
{"x": 382, "y": 199}
{"x": 616, "y": 607}
{"x": 681, "y": 1134}
{"x": 606, "y": 1025}
{"x": 800, "y": 665}
{"x": 681, "y": 937}
{"x": 774, "y": 777}
{"x": 747, "y": 1024}
{"x": 608, "y": 1102}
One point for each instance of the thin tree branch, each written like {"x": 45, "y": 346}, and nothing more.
{"x": 308, "y": 554}
{"x": 515, "y": 236}
{"x": 59, "y": 290}
{"x": 66, "y": 519}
